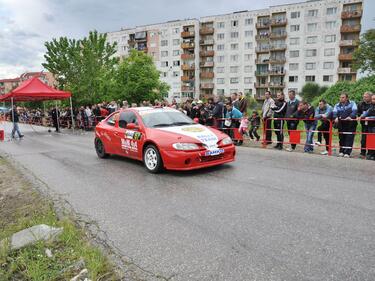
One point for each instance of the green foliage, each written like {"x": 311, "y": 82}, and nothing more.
{"x": 355, "y": 90}
{"x": 85, "y": 67}
{"x": 364, "y": 56}
{"x": 137, "y": 79}
{"x": 310, "y": 91}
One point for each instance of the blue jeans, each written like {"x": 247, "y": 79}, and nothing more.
{"x": 309, "y": 127}
{"x": 15, "y": 130}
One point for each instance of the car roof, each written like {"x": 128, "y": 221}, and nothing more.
{"x": 153, "y": 109}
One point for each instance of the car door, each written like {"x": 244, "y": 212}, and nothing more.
{"x": 107, "y": 133}
{"x": 130, "y": 137}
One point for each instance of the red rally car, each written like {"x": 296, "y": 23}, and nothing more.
{"x": 162, "y": 138}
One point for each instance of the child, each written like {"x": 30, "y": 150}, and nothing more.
{"x": 244, "y": 125}
{"x": 255, "y": 123}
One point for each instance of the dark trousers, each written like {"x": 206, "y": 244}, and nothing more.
{"x": 323, "y": 129}
{"x": 292, "y": 126}
{"x": 278, "y": 126}
{"x": 365, "y": 129}
{"x": 267, "y": 125}
{"x": 346, "y": 139}
{"x": 371, "y": 152}
{"x": 254, "y": 132}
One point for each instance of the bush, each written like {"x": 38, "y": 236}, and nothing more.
{"x": 355, "y": 90}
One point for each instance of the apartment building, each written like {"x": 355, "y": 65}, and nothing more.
{"x": 277, "y": 49}
{"x": 7, "y": 85}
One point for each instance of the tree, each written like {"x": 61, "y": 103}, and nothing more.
{"x": 137, "y": 79}
{"x": 364, "y": 56}
{"x": 310, "y": 91}
{"x": 85, "y": 67}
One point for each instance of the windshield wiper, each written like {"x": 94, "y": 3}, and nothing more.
{"x": 182, "y": 123}
{"x": 163, "y": 125}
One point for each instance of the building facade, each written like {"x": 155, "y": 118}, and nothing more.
{"x": 277, "y": 49}
{"x": 7, "y": 85}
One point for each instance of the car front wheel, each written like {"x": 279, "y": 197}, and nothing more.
{"x": 152, "y": 159}
{"x": 99, "y": 148}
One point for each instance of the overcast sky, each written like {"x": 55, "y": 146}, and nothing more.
{"x": 25, "y": 25}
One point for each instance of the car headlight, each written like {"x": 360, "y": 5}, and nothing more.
{"x": 226, "y": 141}
{"x": 185, "y": 146}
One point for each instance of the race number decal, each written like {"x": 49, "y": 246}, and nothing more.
{"x": 129, "y": 145}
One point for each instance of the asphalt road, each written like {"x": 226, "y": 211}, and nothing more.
{"x": 271, "y": 215}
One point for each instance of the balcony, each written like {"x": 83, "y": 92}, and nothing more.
{"x": 187, "y": 78}
{"x": 187, "y": 56}
{"x": 351, "y": 14}
{"x": 260, "y": 37}
{"x": 262, "y": 49}
{"x": 350, "y": 28}
{"x": 276, "y": 72}
{"x": 346, "y": 70}
{"x": 188, "y": 45}
{"x": 259, "y": 85}
{"x": 207, "y": 75}
{"x": 278, "y": 35}
{"x": 187, "y": 89}
{"x": 188, "y": 66}
{"x": 280, "y": 60}
{"x": 278, "y": 85}
{"x": 259, "y": 96}
{"x": 345, "y": 56}
{"x": 278, "y": 47}
{"x": 349, "y": 43}
{"x": 207, "y": 53}
{"x": 207, "y": 86}
{"x": 131, "y": 42}
{"x": 206, "y": 42}
{"x": 207, "y": 64}
{"x": 206, "y": 31}
{"x": 261, "y": 73}
{"x": 265, "y": 24}
{"x": 187, "y": 34}
{"x": 279, "y": 22}
{"x": 262, "y": 61}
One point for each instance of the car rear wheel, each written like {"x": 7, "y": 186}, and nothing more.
{"x": 100, "y": 150}
{"x": 152, "y": 159}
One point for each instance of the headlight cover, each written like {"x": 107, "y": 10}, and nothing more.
{"x": 185, "y": 146}
{"x": 227, "y": 141}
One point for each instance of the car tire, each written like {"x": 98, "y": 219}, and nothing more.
{"x": 100, "y": 150}
{"x": 152, "y": 159}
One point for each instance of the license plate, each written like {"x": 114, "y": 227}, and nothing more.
{"x": 214, "y": 152}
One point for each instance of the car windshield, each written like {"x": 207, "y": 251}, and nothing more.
{"x": 156, "y": 119}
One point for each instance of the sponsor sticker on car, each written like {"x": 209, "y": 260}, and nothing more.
{"x": 214, "y": 152}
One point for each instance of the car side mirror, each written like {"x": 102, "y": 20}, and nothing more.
{"x": 132, "y": 126}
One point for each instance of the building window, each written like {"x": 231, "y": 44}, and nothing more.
{"x": 294, "y": 41}
{"x": 294, "y": 54}
{"x": 234, "y": 80}
{"x": 176, "y": 30}
{"x": 164, "y": 54}
{"x": 247, "y": 68}
{"x": 220, "y": 81}
{"x": 220, "y": 58}
{"x": 164, "y": 74}
{"x": 220, "y": 92}
{"x": 248, "y": 21}
{"x": 329, "y": 52}
{"x": 220, "y": 24}
{"x": 176, "y": 42}
{"x": 312, "y": 27}
{"x": 248, "y": 45}
{"x": 176, "y": 73}
{"x": 310, "y": 78}
{"x": 311, "y": 53}
{"x": 220, "y": 36}
{"x": 234, "y": 35}
{"x": 247, "y": 80}
{"x": 310, "y": 66}
{"x": 327, "y": 78}
{"x": 294, "y": 27}
{"x": 312, "y": 13}
{"x": 176, "y": 52}
{"x": 331, "y": 11}
{"x": 164, "y": 64}
{"x": 176, "y": 63}
{"x": 234, "y": 46}
{"x": 164, "y": 43}
{"x": 330, "y": 24}
{"x": 234, "y": 58}
{"x": 220, "y": 47}
{"x": 293, "y": 66}
{"x": 330, "y": 38}
{"x": 234, "y": 69}
{"x": 248, "y": 33}
{"x": 234, "y": 23}
{"x": 220, "y": 69}
{"x": 248, "y": 57}
{"x": 328, "y": 65}
{"x": 293, "y": 78}
{"x": 295, "y": 15}
{"x": 311, "y": 39}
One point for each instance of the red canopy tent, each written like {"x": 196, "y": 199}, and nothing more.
{"x": 35, "y": 90}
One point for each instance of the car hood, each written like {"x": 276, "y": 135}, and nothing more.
{"x": 198, "y": 132}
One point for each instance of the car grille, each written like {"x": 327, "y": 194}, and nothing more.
{"x": 211, "y": 158}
